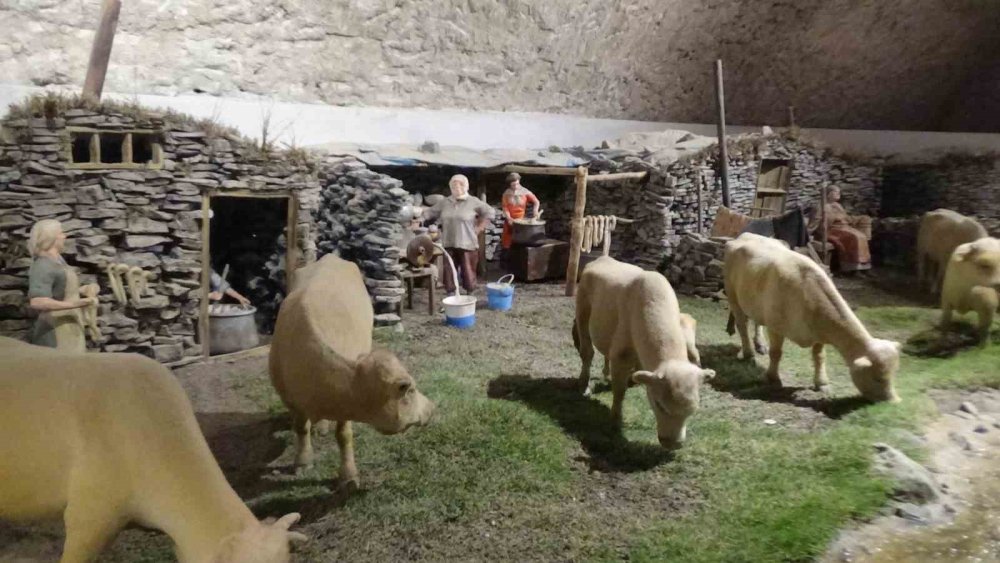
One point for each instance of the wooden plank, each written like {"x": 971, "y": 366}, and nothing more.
{"x": 577, "y": 237}
{"x": 100, "y": 51}
{"x": 822, "y": 224}
{"x": 206, "y": 273}
{"x": 291, "y": 242}
{"x": 720, "y": 105}
{"x": 544, "y": 170}
{"x": 481, "y": 194}
{"x": 616, "y": 177}
{"x": 222, "y": 192}
{"x": 701, "y": 219}
{"x": 242, "y": 354}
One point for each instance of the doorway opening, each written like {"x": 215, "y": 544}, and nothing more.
{"x": 246, "y": 247}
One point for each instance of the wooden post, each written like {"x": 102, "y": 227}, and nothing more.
{"x": 577, "y": 237}
{"x": 100, "y": 51}
{"x": 700, "y": 210}
{"x": 822, "y": 224}
{"x": 720, "y": 104}
{"x": 206, "y": 274}
{"x": 481, "y": 194}
{"x": 791, "y": 116}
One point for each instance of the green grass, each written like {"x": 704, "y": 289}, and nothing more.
{"x": 517, "y": 465}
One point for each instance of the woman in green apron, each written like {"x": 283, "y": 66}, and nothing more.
{"x": 54, "y": 291}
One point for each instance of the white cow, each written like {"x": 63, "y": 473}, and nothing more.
{"x": 632, "y": 317}
{"x": 795, "y": 299}
{"x": 971, "y": 282}
{"x": 108, "y": 439}
{"x": 941, "y": 231}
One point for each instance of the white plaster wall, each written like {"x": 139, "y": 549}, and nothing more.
{"x": 312, "y": 124}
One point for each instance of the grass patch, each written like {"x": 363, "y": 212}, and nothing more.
{"x": 518, "y": 465}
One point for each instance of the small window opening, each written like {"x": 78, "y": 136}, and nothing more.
{"x": 142, "y": 148}
{"x": 81, "y": 147}
{"x": 112, "y": 147}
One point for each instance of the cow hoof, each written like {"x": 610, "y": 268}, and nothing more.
{"x": 774, "y": 381}
{"x": 825, "y": 388}
{"x": 743, "y": 356}
{"x": 760, "y": 348}
{"x": 347, "y": 486}
{"x": 300, "y": 470}
{"x": 587, "y": 392}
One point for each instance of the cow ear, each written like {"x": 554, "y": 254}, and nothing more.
{"x": 707, "y": 374}
{"x": 862, "y": 363}
{"x": 965, "y": 252}
{"x": 645, "y": 377}
{"x": 897, "y": 345}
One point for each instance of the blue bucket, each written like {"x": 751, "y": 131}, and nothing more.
{"x": 500, "y": 294}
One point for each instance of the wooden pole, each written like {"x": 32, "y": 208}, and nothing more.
{"x": 822, "y": 224}
{"x": 206, "y": 275}
{"x": 100, "y": 51}
{"x": 700, "y": 210}
{"x": 572, "y": 269}
{"x": 481, "y": 194}
{"x": 720, "y": 104}
{"x": 791, "y": 116}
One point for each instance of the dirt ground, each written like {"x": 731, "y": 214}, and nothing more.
{"x": 523, "y": 358}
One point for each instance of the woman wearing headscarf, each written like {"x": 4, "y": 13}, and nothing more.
{"x": 849, "y": 234}
{"x": 463, "y": 217}
{"x": 53, "y": 291}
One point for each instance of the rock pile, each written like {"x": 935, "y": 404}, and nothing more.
{"x": 140, "y": 215}
{"x": 696, "y": 265}
{"x": 359, "y": 219}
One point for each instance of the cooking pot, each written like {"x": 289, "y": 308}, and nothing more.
{"x": 231, "y": 328}
{"x": 528, "y": 232}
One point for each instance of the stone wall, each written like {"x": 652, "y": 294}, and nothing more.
{"x": 140, "y": 217}
{"x": 967, "y": 184}
{"x": 868, "y": 67}
{"x": 665, "y": 204}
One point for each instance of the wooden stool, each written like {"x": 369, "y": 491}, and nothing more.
{"x": 409, "y": 276}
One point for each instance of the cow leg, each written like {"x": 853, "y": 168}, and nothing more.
{"x": 921, "y": 269}
{"x": 621, "y": 374}
{"x": 348, "y": 470}
{"x": 986, "y": 302}
{"x": 758, "y": 339}
{"x": 303, "y": 442}
{"x": 586, "y": 349}
{"x": 92, "y": 522}
{"x": 945, "y": 315}
{"x": 746, "y": 353}
{"x": 606, "y": 370}
{"x": 777, "y": 342}
{"x": 820, "y": 381}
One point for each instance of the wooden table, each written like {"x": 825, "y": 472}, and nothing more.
{"x": 409, "y": 276}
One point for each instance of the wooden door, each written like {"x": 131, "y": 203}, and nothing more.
{"x": 772, "y": 188}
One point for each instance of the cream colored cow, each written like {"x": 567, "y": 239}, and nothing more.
{"x": 795, "y": 299}
{"x": 941, "y": 231}
{"x": 108, "y": 439}
{"x": 632, "y": 317}
{"x": 324, "y": 368}
{"x": 971, "y": 283}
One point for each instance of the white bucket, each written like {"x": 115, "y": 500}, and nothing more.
{"x": 460, "y": 310}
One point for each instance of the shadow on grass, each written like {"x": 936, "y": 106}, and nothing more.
{"x": 584, "y": 418}
{"x": 936, "y": 342}
{"x": 746, "y": 380}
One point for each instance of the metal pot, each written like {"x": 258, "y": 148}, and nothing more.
{"x": 231, "y": 328}
{"x": 528, "y": 233}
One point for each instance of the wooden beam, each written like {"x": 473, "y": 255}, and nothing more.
{"x": 206, "y": 274}
{"x": 791, "y": 116}
{"x": 544, "y": 170}
{"x": 100, "y": 51}
{"x": 291, "y": 242}
{"x": 720, "y": 104}
{"x": 822, "y": 224}
{"x": 576, "y": 239}
{"x": 481, "y": 194}
{"x": 617, "y": 176}
{"x": 700, "y": 204}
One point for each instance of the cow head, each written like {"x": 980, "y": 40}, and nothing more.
{"x": 389, "y": 393}
{"x": 873, "y": 372}
{"x": 672, "y": 391}
{"x": 979, "y": 262}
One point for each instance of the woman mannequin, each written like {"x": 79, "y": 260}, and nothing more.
{"x": 849, "y": 234}
{"x": 463, "y": 217}
{"x": 53, "y": 291}
{"x": 515, "y": 206}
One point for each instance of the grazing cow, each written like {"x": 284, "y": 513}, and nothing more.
{"x": 632, "y": 317}
{"x": 108, "y": 439}
{"x": 795, "y": 299}
{"x": 324, "y": 368}
{"x": 971, "y": 282}
{"x": 941, "y": 231}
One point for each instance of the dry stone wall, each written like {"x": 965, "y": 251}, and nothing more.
{"x": 140, "y": 217}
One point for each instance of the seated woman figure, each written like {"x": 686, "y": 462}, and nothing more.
{"x": 849, "y": 234}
